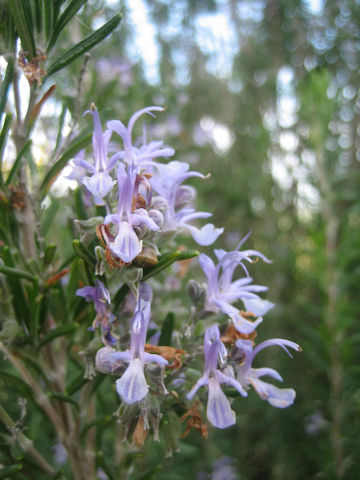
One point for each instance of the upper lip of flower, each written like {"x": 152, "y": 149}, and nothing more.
{"x": 148, "y": 151}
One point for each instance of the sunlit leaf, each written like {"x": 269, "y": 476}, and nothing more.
{"x": 85, "y": 45}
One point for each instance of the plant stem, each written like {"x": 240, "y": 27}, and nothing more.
{"x": 40, "y": 396}
{"x": 25, "y": 443}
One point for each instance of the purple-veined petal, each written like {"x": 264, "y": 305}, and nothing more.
{"x": 87, "y": 292}
{"x": 126, "y": 244}
{"x": 277, "y": 397}
{"x": 219, "y": 412}
{"x": 99, "y": 184}
{"x": 132, "y": 386}
{"x": 258, "y": 306}
{"x": 204, "y": 380}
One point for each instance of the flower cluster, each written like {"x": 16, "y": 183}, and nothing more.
{"x": 146, "y": 204}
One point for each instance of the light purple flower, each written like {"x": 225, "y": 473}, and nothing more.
{"x": 100, "y": 295}
{"x": 100, "y": 183}
{"x": 166, "y": 181}
{"x": 143, "y": 155}
{"x": 126, "y": 244}
{"x": 222, "y": 291}
{"x": 132, "y": 386}
{"x": 219, "y": 412}
{"x": 246, "y": 375}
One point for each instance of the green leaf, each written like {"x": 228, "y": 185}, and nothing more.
{"x": 85, "y": 45}
{"x": 48, "y": 12}
{"x": 84, "y": 253}
{"x": 98, "y": 422}
{"x": 167, "y": 329}
{"x": 167, "y": 260}
{"x": 80, "y": 208}
{"x": 49, "y": 254}
{"x": 5, "y": 85}
{"x": 149, "y": 474}
{"x": 16, "y": 382}
{"x": 101, "y": 462}
{"x": 119, "y": 296}
{"x": 19, "y": 301}
{"x": 164, "y": 262}
{"x": 36, "y": 317}
{"x": 17, "y": 163}
{"x": 10, "y": 471}
{"x": 3, "y": 138}
{"x": 65, "y": 329}
{"x": 54, "y": 171}
{"x": 60, "y": 127}
{"x": 49, "y": 216}
{"x": 22, "y": 16}
{"x": 63, "y": 398}
{"x": 76, "y": 384}
{"x": 65, "y": 18}
{"x": 15, "y": 272}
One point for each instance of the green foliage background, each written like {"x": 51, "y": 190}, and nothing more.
{"x": 313, "y": 238}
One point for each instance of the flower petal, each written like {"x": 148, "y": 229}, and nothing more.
{"x": 99, "y": 184}
{"x": 132, "y": 386}
{"x": 204, "y": 380}
{"x": 258, "y": 306}
{"x": 277, "y": 397}
{"x": 126, "y": 244}
{"x": 206, "y": 235}
{"x": 243, "y": 325}
{"x": 219, "y": 412}
{"x": 227, "y": 380}
{"x": 152, "y": 357}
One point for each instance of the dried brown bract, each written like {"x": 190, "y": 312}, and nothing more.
{"x": 17, "y": 198}
{"x": 194, "y": 421}
{"x": 32, "y": 70}
{"x": 231, "y": 334}
{"x": 171, "y": 354}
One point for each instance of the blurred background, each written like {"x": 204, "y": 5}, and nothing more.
{"x": 264, "y": 95}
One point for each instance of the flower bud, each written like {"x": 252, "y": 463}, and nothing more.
{"x": 155, "y": 375}
{"x": 184, "y": 194}
{"x": 147, "y": 258}
{"x": 197, "y": 292}
{"x": 100, "y": 267}
{"x": 86, "y": 228}
{"x": 157, "y": 216}
{"x": 105, "y": 362}
{"x": 159, "y": 203}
